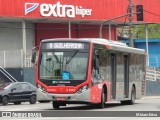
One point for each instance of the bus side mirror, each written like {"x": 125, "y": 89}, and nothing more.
{"x": 33, "y": 60}
{"x": 96, "y": 65}
{"x": 96, "y": 61}
{"x": 34, "y": 55}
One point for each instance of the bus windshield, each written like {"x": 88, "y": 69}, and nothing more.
{"x": 63, "y": 65}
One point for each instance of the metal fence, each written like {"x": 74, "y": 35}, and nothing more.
{"x": 152, "y": 74}
{"x": 14, "y": 59}
{"x": 28, "y": 61}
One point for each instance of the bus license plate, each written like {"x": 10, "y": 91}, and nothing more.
{"x": 61, "y": 98}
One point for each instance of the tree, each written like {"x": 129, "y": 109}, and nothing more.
{"x": 153, "y": 31}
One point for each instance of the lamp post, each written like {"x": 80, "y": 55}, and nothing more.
{"x": 146, "y": 28}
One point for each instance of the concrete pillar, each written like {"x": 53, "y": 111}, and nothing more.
{"x": 147, "y": 61}
{"x": 110, "y": 33}
{"x": 69, "y": 29}
{"x": 24, "y": 42}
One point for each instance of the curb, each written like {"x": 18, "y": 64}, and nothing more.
{"x": 151, "y": 97}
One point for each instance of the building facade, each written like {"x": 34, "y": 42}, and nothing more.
{"x": 153, "y": 49}
{"x": 24, "y": 23}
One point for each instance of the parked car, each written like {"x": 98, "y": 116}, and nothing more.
{"x": 17, "y": 92}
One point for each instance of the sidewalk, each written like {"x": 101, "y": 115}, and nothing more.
{"x": 151, "y": 97}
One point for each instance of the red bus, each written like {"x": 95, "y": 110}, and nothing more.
{"x": 89, "y": 70}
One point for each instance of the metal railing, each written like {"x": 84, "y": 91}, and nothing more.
{"x": 28, "y": 61}
{"x": 14, "y": 59}
{"x": 9, "y": 76}
{"x": 152, "y": 74}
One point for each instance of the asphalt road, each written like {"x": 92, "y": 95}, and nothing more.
{"x": 144, "y": 104}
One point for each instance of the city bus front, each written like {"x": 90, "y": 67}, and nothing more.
{"x": 63, "y": 72}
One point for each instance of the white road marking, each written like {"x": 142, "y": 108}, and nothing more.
{"x": 20, "y": 109}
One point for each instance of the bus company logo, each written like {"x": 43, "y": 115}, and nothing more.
{"x": 58, "y": 10}
{"x": 6, "y": 114}
{"x": 29, "y": 7}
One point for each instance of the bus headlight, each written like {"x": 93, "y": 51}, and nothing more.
{"x": 41, "y": 88}
{"x": 82, "y": 89}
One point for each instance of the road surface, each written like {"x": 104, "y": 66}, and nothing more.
{"x": 140, "y": 108}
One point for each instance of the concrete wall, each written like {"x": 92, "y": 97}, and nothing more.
{"x": 29, "y": 75}
{"x": 20, "y": 74}
{"x": 17, "y": 73}
{"x": 152, "y": 88}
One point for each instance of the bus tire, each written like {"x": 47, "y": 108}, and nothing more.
{"x": 101, "y": 105}
{"x": 55, "y": 105}
{"x": 124, "y": 102}
{"x": 133, "y": 96}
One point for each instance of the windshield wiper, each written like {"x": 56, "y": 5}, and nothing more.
{"x": 46, "y": 68}
{"x": 74, "y": 54}
{"x": 58, "y": 61}
{"x": 69, "y": 59}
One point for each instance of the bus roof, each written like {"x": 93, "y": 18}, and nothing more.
{"x": 113, "y": 45}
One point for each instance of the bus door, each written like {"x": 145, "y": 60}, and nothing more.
{"x": 113, "y": 75}
{"x": 126, "y": 76}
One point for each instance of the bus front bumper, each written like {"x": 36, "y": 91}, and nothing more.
{"x": 77, "y": 97}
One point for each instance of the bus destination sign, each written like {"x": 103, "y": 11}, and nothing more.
{"x": 65, "y": 46}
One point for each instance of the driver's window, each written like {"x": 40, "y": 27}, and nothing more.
{"x": 95, "y": 63}
{"x": 99, "y": 62}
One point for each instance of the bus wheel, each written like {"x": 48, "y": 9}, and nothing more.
{"x": 55, "y": 105}
{"x": 133, "y": 96}
{"x": 103, "y": 100}
{"x": 124, "y": 102}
